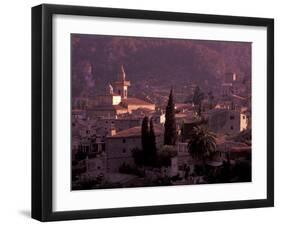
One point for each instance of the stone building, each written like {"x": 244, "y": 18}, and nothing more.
{"x": 119, "y": 147}
{"x": 227, "y": 121}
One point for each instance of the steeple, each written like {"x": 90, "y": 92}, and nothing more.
{"x": 121, "y": 85}
{"x": 122, "y": 74}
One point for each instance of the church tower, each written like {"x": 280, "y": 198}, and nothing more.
{"x": 121, "y": 85}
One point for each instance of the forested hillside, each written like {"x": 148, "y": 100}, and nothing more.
{"x": 96, "y": 60}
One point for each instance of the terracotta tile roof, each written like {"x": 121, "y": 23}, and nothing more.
{"x": 136, "y": 132}
{"x": 135, "y": 101}
{"x": 109, "y": 107}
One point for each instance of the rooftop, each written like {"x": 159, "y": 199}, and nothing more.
{"x": 136, "y": 132}
{"x": 135, "y": 101}
{"x": 108, "y": 107}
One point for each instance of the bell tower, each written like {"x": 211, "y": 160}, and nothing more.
{"x": 121, "y": 85}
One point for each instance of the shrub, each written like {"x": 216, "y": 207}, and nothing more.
{"x": 164, "y": 156}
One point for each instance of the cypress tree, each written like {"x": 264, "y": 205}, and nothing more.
{"x": 198, "y": 97}
{"x": 152, "y": 139}
{"x": 145, "y": 135}
{"x": 170, "y": 134}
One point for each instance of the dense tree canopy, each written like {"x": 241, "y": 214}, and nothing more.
{"x": 97, "y": 58}
{"x": 202, "y": 143}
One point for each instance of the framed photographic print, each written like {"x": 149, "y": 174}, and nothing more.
{"x": 145, "y": 112}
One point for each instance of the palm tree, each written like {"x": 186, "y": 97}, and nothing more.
{"x": 202, "y": 144}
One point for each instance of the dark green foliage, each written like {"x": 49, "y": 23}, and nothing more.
{"x": 164, "y": 156}
{"x": 139, "y": 157}
{"x": 202, "y": 143}
{"x": 146, "y": 156}
{"x": 170, "y": 134}
{"x": 145, "y": 140}
{"x": 152, "y": 143}
{"x": 143, "y": 57}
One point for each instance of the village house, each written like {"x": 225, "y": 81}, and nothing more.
{"x": 81, "y": 103}
{"x": 126, "y": 123}
{"x": 78, "y": 114}
{"x": 119, "y": 147}
{"x": 94, "y": 167}
{"x": 226, "y": 121}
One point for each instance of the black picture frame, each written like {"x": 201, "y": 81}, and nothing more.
{"x": 42, "y": 111}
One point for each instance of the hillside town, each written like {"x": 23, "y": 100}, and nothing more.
{"x": 170, "y": 135}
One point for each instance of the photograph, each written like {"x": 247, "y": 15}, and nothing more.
{"x": 144, "y": 112}
{"x": 153, "y": 111}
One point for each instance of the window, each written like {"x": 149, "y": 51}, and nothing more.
{"x": 124, "y": 150}
{"x": 119, "y": 92}
{"x": 231, "y": 127}
{"x": 231, "y": 117}
{"x": 244, "y": 117}
{"x": 124, "y": 140}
